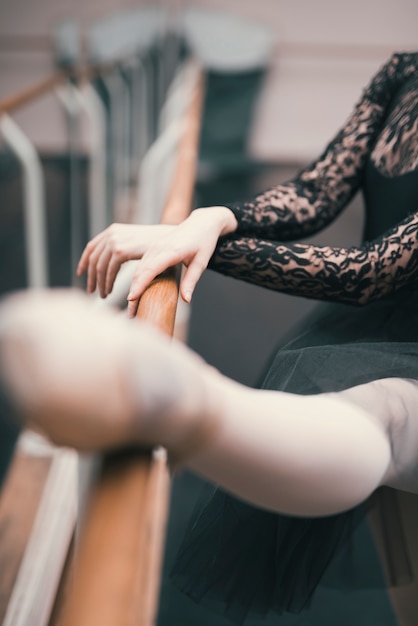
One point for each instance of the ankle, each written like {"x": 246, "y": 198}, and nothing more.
{"x": 202, "y": 425}
{"x": 176, "y": 401}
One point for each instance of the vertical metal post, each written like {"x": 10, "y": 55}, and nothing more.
{"x": 119, "y": 114}
{"x": 33, "y": 202}
{"x": 98, "y": 204}
{"x": 68, "y": 98}
{"x": 156, "y": 172}
{"x": 140, "y": 116}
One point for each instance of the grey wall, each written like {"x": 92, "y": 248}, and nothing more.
{"x": 325, "y": 53}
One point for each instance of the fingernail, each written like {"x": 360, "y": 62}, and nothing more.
{"x": 188, "y": 296}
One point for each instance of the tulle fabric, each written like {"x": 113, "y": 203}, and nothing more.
{"x": 241, "y": 560}
{"x": 244, "y": 561}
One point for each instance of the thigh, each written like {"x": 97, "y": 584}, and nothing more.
{"x": 393, "y": 404}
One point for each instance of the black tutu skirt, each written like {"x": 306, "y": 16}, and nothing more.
{"x": 245, "y": 561}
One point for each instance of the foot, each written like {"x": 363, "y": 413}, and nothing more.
{"x": 89, "y": 379}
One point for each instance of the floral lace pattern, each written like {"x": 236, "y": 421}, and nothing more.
{"x": 396, "y": 150}
{"x": 257, "y": 252}
{"x": 356, "y": 275}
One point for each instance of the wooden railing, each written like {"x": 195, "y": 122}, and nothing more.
{"x": 117, "y": 568}
{"x": 112, "y": 574}
{"x": 9, "y": 105}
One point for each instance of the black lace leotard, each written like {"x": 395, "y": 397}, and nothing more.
{"x": 259, "y": 251}
{"x": 250, "y": 560}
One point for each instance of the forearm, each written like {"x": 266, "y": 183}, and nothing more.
{"x": 317, "y": 195}
{"x": 356, "y": 275}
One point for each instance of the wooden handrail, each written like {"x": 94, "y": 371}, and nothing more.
{"x": 118, "y": 560}
{"x": 31, "y": 93}
{"x": 116, "y": 577}
{"x": 39, "y": 89}
{"x": 27, "y": 95}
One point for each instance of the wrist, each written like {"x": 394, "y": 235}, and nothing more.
{"x": 222, "y": 216}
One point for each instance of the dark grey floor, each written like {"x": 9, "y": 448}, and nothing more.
{"x": 236, "y": 326}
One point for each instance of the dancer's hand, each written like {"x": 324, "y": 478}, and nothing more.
{"x": 192, "y": 243}
{"x": 156, "y": 247}
{"x": 104, "y": 254}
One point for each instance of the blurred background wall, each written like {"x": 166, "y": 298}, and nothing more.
{"x": 325, "y": 53}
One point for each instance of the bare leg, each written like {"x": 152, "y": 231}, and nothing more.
{"x": 303, "y": 455}
{"x": 94, "y": 380}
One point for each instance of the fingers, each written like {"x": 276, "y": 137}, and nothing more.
{"x": 150, "y": 266}
{"x": 87, "y": 252}
{"x": 158, "y": 247}
{"x": 132, "y": 308}
{"x": 145, "y": 274}
{"x": 113, "y": 267}
{"x": 102, "y": 261}
{"x": 141, "y": 280}
{"x": 191, "y": 278}
{"x": 97, "y": 268}
{"x": 103, "y": 257}
{"x": 89, "y": 261}
{"x": 92, "y": 266}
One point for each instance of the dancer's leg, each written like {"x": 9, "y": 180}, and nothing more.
{"x": 90, "y": 379}
{"x": 93, "y": 380}
{"x": 306, "y": 455}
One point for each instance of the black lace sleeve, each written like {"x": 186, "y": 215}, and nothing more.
{"x": 356, "y": 275}
{"x": 317, "y": 195}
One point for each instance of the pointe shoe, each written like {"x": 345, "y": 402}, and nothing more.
{"x": 88, "y": 379}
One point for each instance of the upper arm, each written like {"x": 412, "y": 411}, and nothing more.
{"x": 356, "y": 275}
{"x": 307, "y": 203}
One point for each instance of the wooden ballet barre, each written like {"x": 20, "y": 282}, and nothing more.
{"x": 32, "y": 93}
{"x": 77, "y": 73}
{"x": 27, "y": 95}
{"x": 117, "y": 567}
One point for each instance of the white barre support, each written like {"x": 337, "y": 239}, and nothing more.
{"x": 156, "y": 173}
{"x": 94, "y": 110}
{"x": 155, "y": 177}
{"x": 178, "y": 95}
{"x": 141, "y": 138}
{"x": 119, "y": 105}
{"x": 66, "y": 95}
{"x": 33, "y": 202}
{"x": 157, "y": 167}
{"x": 39, "y": 574}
